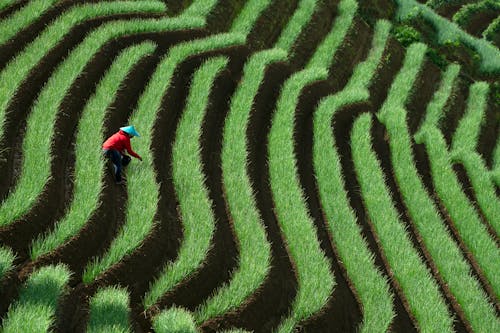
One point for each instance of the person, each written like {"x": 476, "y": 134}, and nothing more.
{"x": 115, "y": 147}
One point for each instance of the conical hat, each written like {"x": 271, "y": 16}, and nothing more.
{"x": 130, "y": 130}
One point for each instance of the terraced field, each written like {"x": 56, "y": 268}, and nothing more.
{"x": 308, "y": 166}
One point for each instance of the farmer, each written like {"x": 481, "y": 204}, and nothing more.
{"x": 116, "y": 145}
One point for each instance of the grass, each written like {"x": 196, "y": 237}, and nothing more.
{"x": 237, "y": 36}
{"x": 254, "y": 249}
{"x": 465, "y": 219}
{"x": 35, "y": 169}
{"x": 493, "y": 29}
{"x": 187, "y": 174}
{"x": 35, "y": 309}
{"x": 109, "y": 311}
{"x": 419, "y": 288}
{"x": 371, "y": 286}
{"x": 463, "y": 150}
{"x": 447, "y": 256}
{"x": 449, "y": 31}
{"x": 89, "y": 164}
{"x": 174, "y": 320}
{"x": 22, "y": 18}
{"x": 6, "y": 3}
{"x": 315, "y": 280}
{"x": 142, "y": 187}
{"x": 16, "y": 71}
{"x": 7, "y": 258}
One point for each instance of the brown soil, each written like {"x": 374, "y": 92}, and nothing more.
{"x": 448, "y": 10}
{"x": 490, "y": 131}
{"x": 479, "y": 22}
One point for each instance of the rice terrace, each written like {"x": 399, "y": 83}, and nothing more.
{"x": 307, "y": 166}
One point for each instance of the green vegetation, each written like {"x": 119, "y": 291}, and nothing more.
{"x": 40, "y": 125}
{"x": 6, "y": 3}
{"x": 463, "y": 16}
{"x": 187, "y": 174}
{"x": 493, "y": 29}
{"x": 313, "y": 268}
{"x": 463, "y": 150}
{"x": 174, "y": 320}
{"x": 151, "y": 101}
{"x": 420, "y": 289}
{"x": 449, "y": 32}
{"x": 440, "y": 3}
{"x": 109, "y": 311}
{"x": 22, "y": 18}
{"x": 254, "y": 249}
{"x": 35, "y": 309}
{"x": 450, "y": 262}
{"x": 89, "y": 164}
{"x": 18, "y": 68}
{"x": 465, "y": 219}
{"x": 368, "y": 281}
{"x": 7, "y": 258}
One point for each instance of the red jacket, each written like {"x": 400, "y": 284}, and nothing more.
{"x": 121, "y": 142}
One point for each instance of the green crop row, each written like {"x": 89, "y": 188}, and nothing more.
{"x": 254, "y": 249}
{"x": 465, "y": 219}
{"x": 463, "y": 150}
{"x": 35, "y": 169}
{"x": 449, "y": 31}
{"x": 392, "y": 114}
{"x": 142, "y": 188}
{"x": 16, "y": 71}
{"x": 315, "y": 280}
{"x": 187, "y": 174}
{"x": 417, "y": 284}
{"x": 22, "y": 18}
{"x": 89, "y": 164}
{"x": 7, "y": 258}
{"x": 435, "y": 4}
{"x": 35, "y": 309}
{"x": 175, "y": 271}
{"x": 109, "y": 311}
{"x": 40, "y": 124}
{"x": 493, "y": 29}
{"x": 6, "y": 3}
{"x": 445, "y": 253}
{"x": 368, "y": 281}
{"x": 174, "y": 320}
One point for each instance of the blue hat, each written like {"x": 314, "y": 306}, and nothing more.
{"x": 130, "y": 130}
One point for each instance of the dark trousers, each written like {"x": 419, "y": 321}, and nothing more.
{"x": 119, "y": 161}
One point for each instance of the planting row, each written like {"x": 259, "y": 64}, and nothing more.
{"x": 434, "y": 249}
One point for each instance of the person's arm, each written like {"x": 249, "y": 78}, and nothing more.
{"x": 128, "y": 147}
